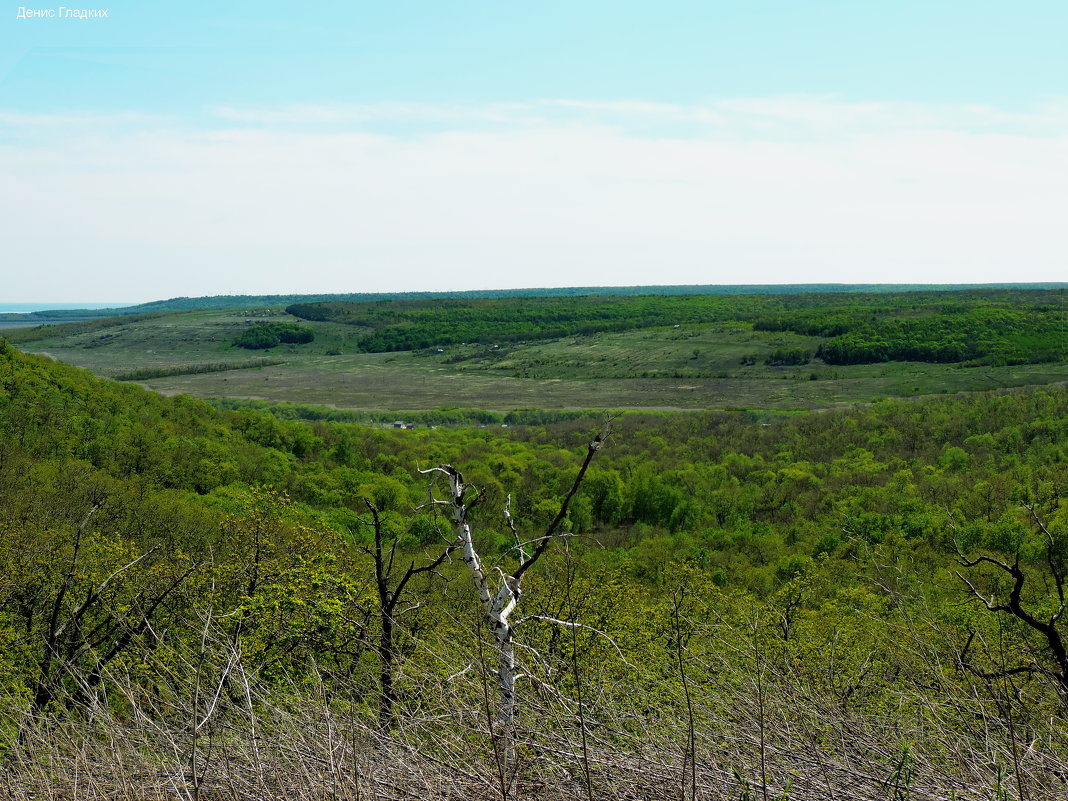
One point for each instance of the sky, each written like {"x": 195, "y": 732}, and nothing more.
{"x": 192, "y": 148}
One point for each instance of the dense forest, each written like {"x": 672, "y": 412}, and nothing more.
{"x": 202, "y": 602}
{"x": 977, "y": 327}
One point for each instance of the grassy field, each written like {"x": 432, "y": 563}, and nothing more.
{"x": 686, "y": 367}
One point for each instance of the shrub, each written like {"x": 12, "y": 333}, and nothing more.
{"x": 266, "y": 335}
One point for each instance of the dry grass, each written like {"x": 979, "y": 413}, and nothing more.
{"x": 760, "y": 732}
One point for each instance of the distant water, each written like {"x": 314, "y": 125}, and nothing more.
{"x": 25, "y": 308}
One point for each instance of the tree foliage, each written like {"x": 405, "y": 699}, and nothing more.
{"x": 261, "y": 336}
{"x": 165, "y": 560}
{"x": 979, "y": 327}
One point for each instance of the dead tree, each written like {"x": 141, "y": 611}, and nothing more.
{"x": 498, "y": 591}
{"x": 390, "y": 593}
{"x": 1045, "y": 625}
{"x": 80, "y": 637}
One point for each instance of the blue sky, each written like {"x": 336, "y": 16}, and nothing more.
{"x": 183, "y": 57}
{"x": 194, "y": 148}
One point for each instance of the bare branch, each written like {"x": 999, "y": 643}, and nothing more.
{"x": 572, "y": 625}
{"x": 1014, "y": 606}
{"x": 519, "y": 545}
{"x": 92, "y": 595}
{"x": 591, "y": 450}
{"x": 58, "y": 604}
{"x": 1058, "y": 576}
{"x": 988, "y": 603}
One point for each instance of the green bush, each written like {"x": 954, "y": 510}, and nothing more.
{"x": 788, "y": 356}
{"x": 267, "y": 335}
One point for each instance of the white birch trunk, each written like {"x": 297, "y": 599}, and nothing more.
{"x": 497, "y": 608}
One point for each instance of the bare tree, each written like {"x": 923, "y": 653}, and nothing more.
{"x": 80, "y": 637}
{"x": 498, "y": 591}
{"x": 1046, "y": 625}
{"x": 390, "y": 593}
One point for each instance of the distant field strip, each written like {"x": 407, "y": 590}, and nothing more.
{"x": 145, "y": 373}
{"x": 37, "y": 333}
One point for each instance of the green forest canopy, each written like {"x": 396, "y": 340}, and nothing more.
{"x": 828, "y": 541}
{"x": 979, "y": 327}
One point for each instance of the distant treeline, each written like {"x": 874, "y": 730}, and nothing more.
{"x": 145, "y": 373}
{"x": 983, "y": 334}
{"x": 254, "y": 301}
{"x": 976, "y": 326}
{"x": 432, "y": 417}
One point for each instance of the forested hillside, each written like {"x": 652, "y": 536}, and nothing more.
{"x": 981, "y": 327}
{"x": 862, "y": 603}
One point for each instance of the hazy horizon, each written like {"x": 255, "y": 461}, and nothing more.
{"x": 36, "y": 306}
{"x": 32, "y": 306}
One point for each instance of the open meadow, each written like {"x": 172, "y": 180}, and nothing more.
{"x": 727, "y": 363}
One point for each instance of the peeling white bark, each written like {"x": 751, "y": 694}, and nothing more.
{"x": 498, "y": 606}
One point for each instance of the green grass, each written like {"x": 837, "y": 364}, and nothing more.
{"x": 689, "y": 367}
{"x": 689, "y": 351}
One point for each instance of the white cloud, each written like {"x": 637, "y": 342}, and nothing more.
{"x": 790, "y": 115}
{"x": 549, "y": 193}
{"x": 342, "y": 114}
